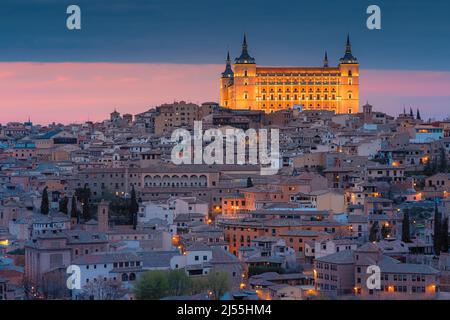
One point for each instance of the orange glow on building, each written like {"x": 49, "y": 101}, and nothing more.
{"x": 251, "y": 87}
{"x": 431, "y": 288}
{"x": 176, "y": 240}
{"x": 311, "y": 292}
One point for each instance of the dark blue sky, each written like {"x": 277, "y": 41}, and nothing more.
{"x": 415, "y": 34}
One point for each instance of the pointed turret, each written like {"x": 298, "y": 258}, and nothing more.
{"x": 244, "y": 58}
{"x": 228, "y": 73}
{"x": 325, "y": 60}
{"x": 348, "y": 56}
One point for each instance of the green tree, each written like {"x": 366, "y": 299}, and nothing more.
{"x": 249, "y": 182}
{"x": 411, "y": 112}
{"x": 152, "y": 285}
{"x": 418, "y": 115}
{"x": 63, "y": 205}
{"x": 442, "y": 161}
{"x": 179, "y": 283}
{"x": 84, "y": 195}
{"x": 406, "y": 236}
{"x": 73, "y": 209}
{"x": 45, "y": 208}
{"x": 373, "y": 233}
{"x": 437, "y": 230}
{"x": 198, "y": 285}
{"x": 444, "y": 236}
{"x": 134, "y": 208}
{"x": 218, "y": 284}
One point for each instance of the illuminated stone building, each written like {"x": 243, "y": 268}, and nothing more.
{"x": 248, "y": 86}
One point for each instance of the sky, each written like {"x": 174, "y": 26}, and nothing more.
{"x": 136, "y": 54}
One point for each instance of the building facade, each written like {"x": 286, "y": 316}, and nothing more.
{"x": 248, "y": 86}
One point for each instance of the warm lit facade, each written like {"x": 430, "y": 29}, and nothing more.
{"x": 248, "y": 86}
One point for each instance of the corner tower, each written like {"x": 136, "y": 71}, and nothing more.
{"x": 349, "y": 80}
{"x": 226, "y": 84}
{"x": 244, "y": 80}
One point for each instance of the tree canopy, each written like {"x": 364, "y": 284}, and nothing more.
{"x": 45, "y": 207}
{"x": 406, "y": 235}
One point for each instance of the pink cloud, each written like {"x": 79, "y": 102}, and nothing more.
{"x": 406, "y": 83}
{"x": 68, "y": 92}
{"x": 75, "y": 92}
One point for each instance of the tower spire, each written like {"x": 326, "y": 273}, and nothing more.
{"x": 244, "y": 57}
{"x": 228, "y": 73}
{"x": 348, "y": 46}
{"x": 348, "y": 56}
{"x": 244, "y": 45}
{"x": 325, "y": 60}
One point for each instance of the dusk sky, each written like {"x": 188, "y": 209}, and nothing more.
{"x": 134, "y": 54}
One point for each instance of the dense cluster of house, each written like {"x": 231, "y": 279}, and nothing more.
{"x": 329, "y": 224}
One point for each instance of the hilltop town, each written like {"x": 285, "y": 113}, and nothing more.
{"x": 353, "y": 191}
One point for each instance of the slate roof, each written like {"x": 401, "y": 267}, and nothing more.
{"x": 106, "y": 257}
{"x": 342, "y": 257}
{"x": 157, "y": 259}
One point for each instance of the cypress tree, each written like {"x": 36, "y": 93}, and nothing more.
{"x": 73, "y": 209}
{"x": 411, "y": 112}
{"x": 373, "y": 233}
{"x": 406, "y": 236}
{"x": 428, "y": 169}
{"x": 86, "y": 199}
{"x": 418, "y": 115}
{"x": 444, "y": 236}
{"x": 443, "y": 161}
{"x": 63, "y": 205}
{"x": 437, "y": 230}
{"x": 45, "y": 208}
{"x": 134, "y": 208}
